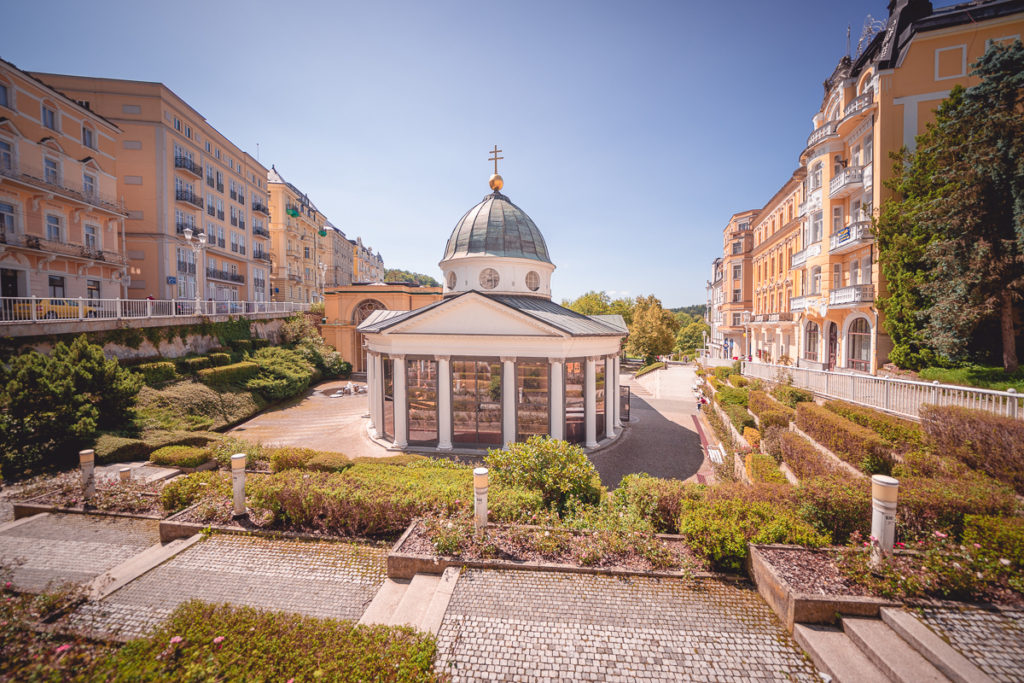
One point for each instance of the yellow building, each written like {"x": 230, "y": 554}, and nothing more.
{"x": 737, "y": 285}
{"x": 301, "y": 248}
{"x": 777, "y": 236}
{"x": 366, "y": 265}
{"x": 178, "y": 173}
{"x": 873, "y": 105}
{"x": 61, "y": 222}
{"x": 339, "y": 262}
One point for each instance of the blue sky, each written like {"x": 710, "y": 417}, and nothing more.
{"x": 631, "y": 130}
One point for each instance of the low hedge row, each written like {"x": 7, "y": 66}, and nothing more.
{"x": 155, "y": 374}
{"x": 791, "y": 396}
{"x": 722, "y": 373}
{"x": 762, "y": 468}
{"x": 192, "y": 364}
{"x": 657, "y": 500}
{"x": 857, "y": 445}
{"x": 739, "y": 416}
{"x": 236, "y": 373}
{"x": 1002, "y": 536}
{"x": 219, "y": 358}
{"x": 731, "y": 395}
{"x": 760, "y": 403}
{"x": 649, "y": 368}
{"x": 902, "y": 435}
{"x": 738, "y": 381}
{"x": 984, "y": 441}
{"x": 180, "y": 456}
{"x": 110, "y": 448}
{"x": 804, "y": 459}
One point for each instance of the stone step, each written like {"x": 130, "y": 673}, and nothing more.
{"x": 413, "y": 605}
{"x": 835, "y": 654}
{"x": 889, "y": 652}
{"x": 434, "y": 615}
{"x": 385, "y": 602}
{"x": 937, "y": 651}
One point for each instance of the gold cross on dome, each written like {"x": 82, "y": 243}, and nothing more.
{"x": 495, "y": 158}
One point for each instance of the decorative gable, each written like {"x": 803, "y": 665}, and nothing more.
{"x": 473, "y": 314}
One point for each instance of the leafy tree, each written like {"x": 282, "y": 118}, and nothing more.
{"x": 694, "y": 311}
{"x": 397, "y": 275}
{"x": 653, "y": 329}
{"x": 683, "y": 318}
{"x": 952, "y": 243}
{"x": 691, "y": 337}
{"x": 599, "y": 303}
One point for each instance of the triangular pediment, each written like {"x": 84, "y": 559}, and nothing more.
{"x": 7, "y": 126}
{"x": 472, "y": 314}
{"x": 52, "y": 143}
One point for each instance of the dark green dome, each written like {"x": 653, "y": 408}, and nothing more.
{"x": 497, "y": 227}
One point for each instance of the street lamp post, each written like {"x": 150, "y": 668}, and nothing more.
{"x": 198, "y": 244}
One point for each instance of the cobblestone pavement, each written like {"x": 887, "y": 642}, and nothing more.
{"x": 994, "y": 641}
{"x": 538, "y": 626}
{"x": 54, "y": 549}
{"x": 321, "y": 579}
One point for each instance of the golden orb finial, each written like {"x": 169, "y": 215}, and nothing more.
{"x": 496, "y": 182}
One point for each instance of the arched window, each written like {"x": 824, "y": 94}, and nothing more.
{"x": 532, "y": 281}
{"x": 859, "y": 344}
{"x": 811, "y": 335}
{"x": 452, "y": 279}
{"x": 364, "y": 309}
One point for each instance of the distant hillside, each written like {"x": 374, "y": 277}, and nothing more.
{"x": 695, "y": 310}
{"x": 397, "y": 275}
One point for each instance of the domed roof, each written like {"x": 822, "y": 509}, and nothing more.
{"x": 497, "y": 227}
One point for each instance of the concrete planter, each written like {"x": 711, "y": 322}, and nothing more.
{"x": 33, "y": 506}
{"x": 803, "y": 608}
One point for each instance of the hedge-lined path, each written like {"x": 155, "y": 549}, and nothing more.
{"x": 992, "y": 639}
{"x": 316, "y": 578}
{"x": 661, "y": 438}
{"x": 51, "y": 550}
{"x": 536, "y": 626}
{"x": 316, "y": 421}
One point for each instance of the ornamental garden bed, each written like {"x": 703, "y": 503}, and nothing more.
{"x": 63, "y": 493}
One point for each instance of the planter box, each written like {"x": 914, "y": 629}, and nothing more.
{"x": 33, "y": 506}
{"x": 803, "y": 608}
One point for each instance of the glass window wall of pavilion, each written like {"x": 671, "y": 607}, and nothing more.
{"x": 600, "y": 402}
{"x": 575, "y": 411}
{"x": 533, "y": 399}
{"x": 388, "y": 393}
{"x": 421, "y": 389}
{"x": 476, "y": 402}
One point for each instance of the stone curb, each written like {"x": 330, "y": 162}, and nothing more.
{"x": 18, "y": 521}
{"x": 804, "y": 608}
{"x": 134, "y": 567}
{"x": 27, "y": 508}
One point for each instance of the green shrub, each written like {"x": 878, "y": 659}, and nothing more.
{"x": 181, "y": 492}
{"x": 327, "y": 461}
{"x": 324, "y": 358}
{"x": 236, "y": 373}
{"x": 762, "y": 468}
{"x": 180, "y": 456}
{"x": 259, "y": 343}
{"x": 219, "y": 358}
{"x": 857, "y": 445}
{"x": 291, "y": 457}
{"x": 722, "y": 373}
{"x": 110, "y": 449}
{"x": 241, "y": 345}
{"x": 155, "y": 374}
{"x": 926, "y": 505}
{"x": 1001, "y": 537}
{"x": 155, "y": 440}
{"x": 191, "y": 405}
{"x": 657, "y": 500}
{"x": 271, "y": 646}
{"x": 902, "y": 435}
{"x": 557, "y": 469}
{"x": 776, "y": 418}
{"x": 753, "y": 437}
{"x": 649, "y": 368}
{"x": 790, "y": 396}
{"x": 836, "y": 504}
{"x": 720, "y": 530}
{"x": 739, "y": 416}
{"x": 738, "y": 381}
{"x": 804, "y": 459}
{"x": 760, "y": 403}
{"x": 401, "y": 459}
{"x": 982, "y": 440}
{"x": 732, "y": 396}
{"x": 257, "y": 455}
{"x": 771, "y": 441}
{"x": 191, "y": 364}
{"x": 283, "y": 373}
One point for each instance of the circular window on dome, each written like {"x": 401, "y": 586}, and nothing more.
{"x": 452, "y": 280}
{"x": 489, "y": 278}
{"x": 532, "y": 281}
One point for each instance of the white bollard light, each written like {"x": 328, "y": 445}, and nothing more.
{"x": 125, "y": 474}
{"x": 238, "y": 482}
{"x": 480, "y": 498}
{"x": 884, "y": 491}
{"x": 87, "y": 461}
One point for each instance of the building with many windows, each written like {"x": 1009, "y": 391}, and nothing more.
{"x": 367, "y": 266}
{"x": 738, "y": 242}
{"x": 339, "y": 263}
{"x": 715, "y": 299}
{"x": 177, "y": 173}
{"x": 302, "y": 247}
{"x": 61, "y": 221}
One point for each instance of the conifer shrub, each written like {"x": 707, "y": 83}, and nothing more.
{"x": 790, "y": 396}
{"x": 180, "y": 456}
{"x": 156, "y": 374}
{"x": 236, "y": 373}
{"x": 984, "y": 441}
{"x": 557, "y": 469}
{"x": 857, "y": 445}
{"x": 902, "y": 435}
{"x": 283, "y": 373}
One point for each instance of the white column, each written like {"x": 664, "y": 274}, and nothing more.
{"x": 401, "y": 404}
{"x": 609, "y": 387}
{"x": 618, "y": 399}
{"x": 590, "y": 402}
{"x": 444, "y": 403}
{"x": 508, "y": 400}
{"x": 557, "y": 398}
{"x": 373, "y": 392}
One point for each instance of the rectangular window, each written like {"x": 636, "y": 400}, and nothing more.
{"x": 177, "y": 124}
{"x": 421, "y": 391}
{"x": 51, "y": 171}
{"x": 816, "y": 220}
{"x": 837, "y": 219}
{"x": 855, "y": 210}
{"x": 49, "y": 118}
{"x": 89, "y": 185}
{"x": 53, "y": 231}
{"x": 575, "y": 373}
{"x": 737, "y": 272}
{"x": 6, "y": 218}
{"x": 5, "y": 98}
{"x": 6, "y": 156}
{"x": 869, "y": 149}
{"x": 837, "y": 275}
{"x": 736, "y": 295}
{"x": 854, "y": 272}
{"x": 865, "y": 270}
{"x": 88, "y": 138}
{"x": 91, "y": 233}
{"x": 737, "y": 247}
{"x": 56, "y": 287}
{"x": 92, "y": 289}
{"x": 735, "y": 319}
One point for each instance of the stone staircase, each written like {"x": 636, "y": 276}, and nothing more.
{"x": 419, "y": 602}
{"x": 896, "y": 647}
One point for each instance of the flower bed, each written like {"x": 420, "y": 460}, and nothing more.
{"x": 65, "y": 491}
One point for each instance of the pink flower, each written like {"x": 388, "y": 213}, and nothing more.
{"x": 176, "y": 639}
{"x": 872, "y": 538}
{"x": 865, "y": 544}
{"x": 218, "y": 640}
{"x": 939, "y": 534}
{"x": 7, "y": 585}
{"x": 899, "y": 545}
{"x": 977, "y": 545}
{"x": 63, "y": 648}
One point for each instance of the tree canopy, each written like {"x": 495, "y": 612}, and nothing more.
{"x": 398, "y": 275}
{"x": 600, "y": 303}
{"x": 653, "y": 329}
{"x": 951, "y": 242}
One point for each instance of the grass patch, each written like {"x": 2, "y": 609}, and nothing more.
{"x": 981, "y": 376}
{"x": 649, "y": 368}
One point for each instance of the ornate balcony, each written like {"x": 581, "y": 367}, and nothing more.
{"x": 187, "y": 164}
{"x": 37, "y": 178}
{"x": 189, "y": 197}
{"x": 800, "y": 303}
{"x": 70, "y": 249}
{"x": 859, "y": 104}
{"x": 261, "y": 256}
{"x": 853, "y": 295}
{"x": 850, "y": 237}
{"x": 848, "y": 181}
{"x": 260, "y": 232}
{"x": 780, "y": 317}
{"x": 224, "y": 275}
{"x": 800, "y": 257}
{"x": 260, "y": 207}
{"x": 821, "y": 133}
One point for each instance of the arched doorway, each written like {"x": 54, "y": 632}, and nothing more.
{"x": 360, "y": 313}
{"x": 833, "y": 345}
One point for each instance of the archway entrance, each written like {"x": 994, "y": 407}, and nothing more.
{"x": 361, "y": 312}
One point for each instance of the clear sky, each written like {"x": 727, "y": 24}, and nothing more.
{"x": 631, "y": 131}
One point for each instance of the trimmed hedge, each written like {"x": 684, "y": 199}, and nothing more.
{"x": 759, "y": 403}
{"x": 217, "y": 359}
{"x": 752, "y": 436}
{"x": 776, "y": 418}
{"x": 762, "y": 468}
{"x": 154, "y": 374}
{"x": 241, "y": 345}
{"x": 982, "y": 440}
{"x": 804, "y": 459}
{"x": 180, "y": 456}
{"x": 739, "y": 417}
{"x": 722, "y": 373}
{"x": 857, "y": 445}
{"x": 902, "y": 435}
{"x": 236, "y": 373}
{"x": 837, "y": 504}
{"x": 790, "y": 396}
{"x": 191, "y": 365}
{"x": 732, "y": 395}
{"x": 738, "y": 381}
{"x": 181, "y": 492}
{"x": 1003, "y": 537}
{"x": 110, "y": 449}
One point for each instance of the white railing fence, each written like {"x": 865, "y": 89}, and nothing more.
{"x": 899, "y": 396}
{"x": 44, "y": 310}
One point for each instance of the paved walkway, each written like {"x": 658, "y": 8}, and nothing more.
{"x": 661, "y": 438}
{"x": 539, "y": 626}
{"x": 993, "y": 640}
{"x": 49, "y": 551}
